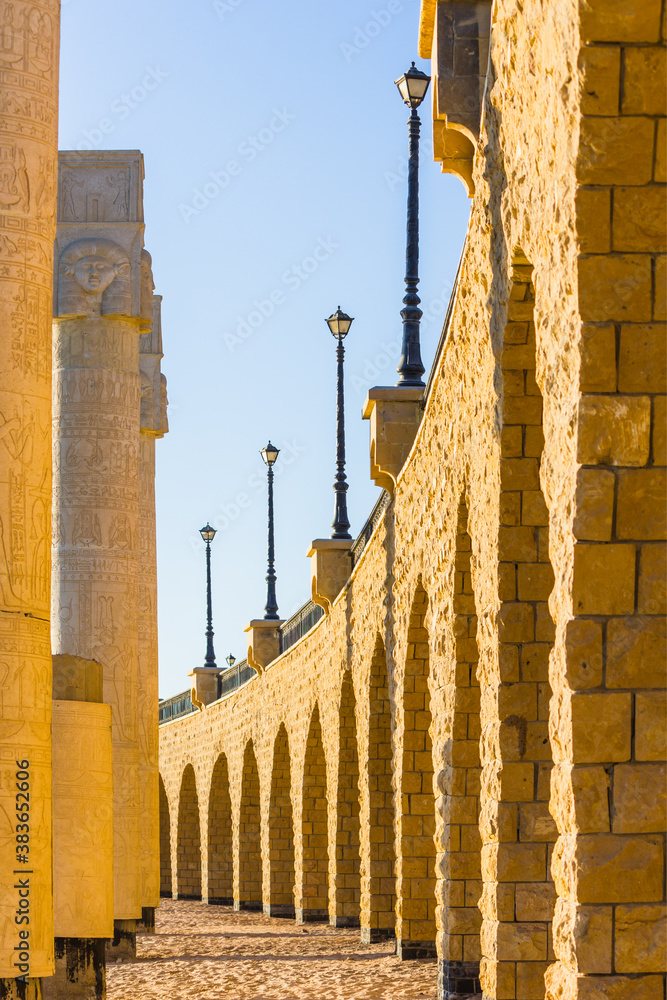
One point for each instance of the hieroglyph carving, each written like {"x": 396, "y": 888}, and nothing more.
{"x": 28, "y": 151}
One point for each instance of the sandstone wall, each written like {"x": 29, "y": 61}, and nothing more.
{"x": 511, "y": 601}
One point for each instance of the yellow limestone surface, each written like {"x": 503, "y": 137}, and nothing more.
{"x": 82, "y": 820}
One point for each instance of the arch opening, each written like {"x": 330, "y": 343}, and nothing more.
{"x": 188, "y": 847}
{"x": 347, "y": 894}
{"x": 165, "y": 843}
{"x": 250, "y": 852}
{"x": 314, "y": 828}
{"x": 518, "y": 824}
{"x": 281, "y": 832}
{"x": 220, "y": 841}
{"x": 415, "y": 925}
{"x": 379, "y": 888}
{"x": 460, "y": 861}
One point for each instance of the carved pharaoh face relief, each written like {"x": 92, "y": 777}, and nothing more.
{"x": 94, "y": 274}
{"x": 94, "y": 280}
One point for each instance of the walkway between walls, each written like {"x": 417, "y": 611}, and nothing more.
{"x": 202, "y": 952}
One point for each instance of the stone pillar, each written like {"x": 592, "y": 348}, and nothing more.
{"x": 153, "y": 425}
{"x": 82, "y": 831}
{"x": 97, "y": 327}
{"x": 28, "y": 152}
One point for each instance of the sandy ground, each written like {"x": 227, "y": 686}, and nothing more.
{"x": 202, "y": 952}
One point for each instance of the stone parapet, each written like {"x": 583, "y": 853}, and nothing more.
{"x": 263, "y": 642}
{"x": 330, "y": 567}
{"x": 395, "y": 415}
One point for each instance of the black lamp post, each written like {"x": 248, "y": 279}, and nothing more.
{"x": 208, "y": 534}
{"x": 339, "y": 323}
{"x": 270, "y": 454}
{"x": 412, "y": 86}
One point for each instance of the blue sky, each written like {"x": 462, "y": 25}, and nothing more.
{"x": 275, "y": 147}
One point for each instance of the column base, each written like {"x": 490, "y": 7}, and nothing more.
{"x": 279, "y": 910}
{"x": 371, "y": 935}
{"x": 310, "y": 916}
{"x": 80, "y": 970}
{"x": 123, "y": 945}
{"x": 147, "y": 923}
{"x": 458, "y": 980}
{"x": 344, "y": 921}
{"x": 19, "y": 989}
{"x": 409, "y": 950}
{"x": 247, "y": 904}
{"x": 220, "y": 900}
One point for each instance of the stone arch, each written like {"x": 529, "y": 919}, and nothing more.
{"x": 415, "y": 925}
{"x": 165, "y": 843}
{"x": 517, "y": 828}
{"x": 460, "y": 861}
{"x": 347, "y": 893}
{"x": 379, "y": 888}
{"x": 281, "y": 832}
{"x": 250, "y": 851}
{"x": 314, "y": 828}
{"x": 220, "y": 839}
{"x": 188, "y": 844}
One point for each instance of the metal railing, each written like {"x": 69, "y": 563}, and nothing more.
{"x": 364, "y": 535}
{"x": 296, "y": 627}
{"x": 235, "y": 677}
{"x": 176, "y": 706}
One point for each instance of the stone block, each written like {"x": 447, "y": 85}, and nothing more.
{"x": 533, "y": 508}
{"x": 618, "y": 869}
{"x": 659, "y": 432}
{"x": 598, "y": 358}
{"x": 536, "y": 823}
{"x": 594, "y": 220}
{"x": 614, "y": 430}
{"x": 642, "y": 362}
{"x": 600, "y": 67}
{"x": 595, "y": 505}
{"x": 580, "y": 798}
{"x": 601, "y": 727}
{"x": 615, "y": 288}
{"x": 330, "y": 567}
{"x": 516, "y": 622}
{"x": 584, "y": 931}
{"x": 584, "y": 654}
{"x": 641, "y": 508}
{"x": 615, "y": 151}
{"x": 660, "y": 288}
{"x": 639, "y": 222}
{"x": 660, "y": 168}
{"x": 535, "y": 581}
{"x": 636, "y": 653}
{"x": 644, "y": 81}
{"x": 535, "y": 901}
{"x": 604, "y": 579}
{"x": 530, "y": 980}
{"x": 517, "y": 544}
{"x": 652, "y": 595}
{"x": 640, "y": 799}
{"x": 640, "y": 943}
{"x": 650, "y": 729}
{"x": 620, "y": 21}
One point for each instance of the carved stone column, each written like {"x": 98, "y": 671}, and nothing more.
{"x": 28, "y": 157}
{"x": 97, "y": 327}
{"x": 153, "y": 425}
